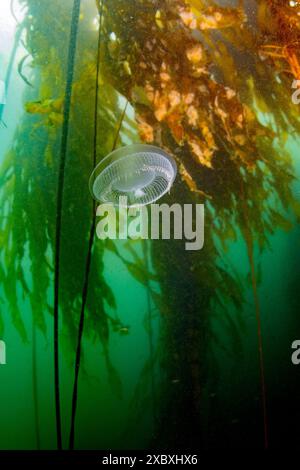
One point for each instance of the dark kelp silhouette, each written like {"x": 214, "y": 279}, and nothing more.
{"x": 188, "y": 101}
{"x": 198, "y": 78}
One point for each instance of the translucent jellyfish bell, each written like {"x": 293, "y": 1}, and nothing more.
{"x": 142, "y": 173}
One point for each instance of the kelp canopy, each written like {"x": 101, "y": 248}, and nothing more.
{"x": 197, "y": 77}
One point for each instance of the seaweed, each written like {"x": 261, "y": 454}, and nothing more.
{"x": 90, "y": 246}
{"x": 198, "y": 79}
{"x": 60, "y": 191}
{"x": 249, "y": 242}
{"x": 30, "y": 175}
{"x": 20, "y": 70}
{"x": 188, "y": 100}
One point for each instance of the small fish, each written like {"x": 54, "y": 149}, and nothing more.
{"x": 124, "y": 330}
{"x": 119, "y": 327}
{"x": 175, "y": 381}
{"x": 235, "y": 421}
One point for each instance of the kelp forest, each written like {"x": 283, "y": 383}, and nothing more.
{"x": 141, "y": 343}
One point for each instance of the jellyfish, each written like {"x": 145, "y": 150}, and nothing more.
{"x": 142, "y": 173}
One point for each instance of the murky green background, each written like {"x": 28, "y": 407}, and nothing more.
{"x": 122, "y": 413}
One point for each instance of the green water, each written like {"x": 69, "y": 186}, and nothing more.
{"x": 181, "y": 372}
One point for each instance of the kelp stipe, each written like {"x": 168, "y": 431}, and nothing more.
{"x": 20, "y": 70}
{"x": 146, "y": 254}
{"x": 35, "y": 388}
{"x": 85, "y": 291}
{"x": 60, "y": 190}
{"x": 40, "y": 136}
{"x": 249, "y": 243}
{"x": 90, "y": 246}
{"x": 91, "y": 237}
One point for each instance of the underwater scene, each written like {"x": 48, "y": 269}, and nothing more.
{"x": 181, "y": 333}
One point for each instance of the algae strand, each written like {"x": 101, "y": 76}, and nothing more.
{"x": 249, "y": 243}
{"x": 60, "y": 189}
{"x": 90, "y": 246}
